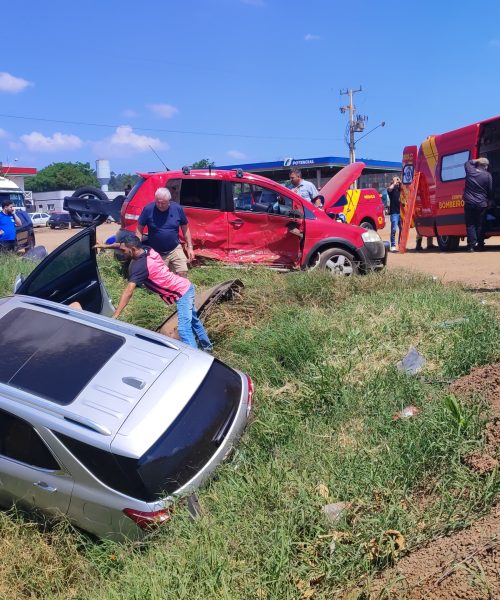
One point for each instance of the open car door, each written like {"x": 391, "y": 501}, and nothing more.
{"x": 70, "y": 274}
{"x": 338, "y": 185}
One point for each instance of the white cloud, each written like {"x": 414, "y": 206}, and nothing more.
{"x": 37, "y": 142}
{"x": 11, "y": 84}
{"x": 125, "y": 136}
{"x": 495, "y": 43}
{"x": 128, "y": 113}
{"x": 166, "y": 111}
{"x": 3, "y": 133}
{"x": 236, "y": 154}
{"x": 124, "y": 142}
{"x": 254, "y": 2}
{"x": 311, "y": 37}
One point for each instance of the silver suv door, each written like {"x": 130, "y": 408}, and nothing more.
{"x": 70, "y": 274}
{"x": 30, "y": 475}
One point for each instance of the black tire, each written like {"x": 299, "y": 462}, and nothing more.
{"x": 339, "y": 262}
{"x": 448, "y": 243}
{"x": 368, "y": 225}
{"x": 83, "y": 218}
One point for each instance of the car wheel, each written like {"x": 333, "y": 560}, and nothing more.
{"x": 448, "y": 243}
{"x": 368, "y": 225}
{"x": 89, "y": 194}
{"x": 338, "y": 262}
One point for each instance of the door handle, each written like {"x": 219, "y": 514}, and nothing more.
{"x": 237, "y": 222}
{"x": 45, "y": 487}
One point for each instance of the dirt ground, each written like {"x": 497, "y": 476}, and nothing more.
{"x": 479, "y": 270}
{"x": 51, "y": 238}
{"x": 466, "y": 564}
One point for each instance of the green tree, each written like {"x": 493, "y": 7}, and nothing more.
{"x": 204, "y": 163}
{"x": 62, "y": 176}
{"x": 119, "y": 181}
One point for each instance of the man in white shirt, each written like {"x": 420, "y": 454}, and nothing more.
{"x": 305, "y": 189}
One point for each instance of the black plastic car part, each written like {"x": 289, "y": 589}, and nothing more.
{"x": 204, "y": 304}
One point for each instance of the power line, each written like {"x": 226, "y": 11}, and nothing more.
{"x": 177, "y": 131}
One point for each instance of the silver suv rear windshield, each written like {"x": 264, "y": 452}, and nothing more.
{"x": 50, "y": 356}
{"x": 183, "y": 449}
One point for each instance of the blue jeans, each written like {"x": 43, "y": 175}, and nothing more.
{"x": 189, "y": 323}
{"x": 395, "y": 224}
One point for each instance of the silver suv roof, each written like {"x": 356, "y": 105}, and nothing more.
{"x": 136, "y": 394}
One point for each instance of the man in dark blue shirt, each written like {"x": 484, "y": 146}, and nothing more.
{"x": 8, "y": 222}
{"x": 163, "y": 218}
{"x": 478, "y": 193}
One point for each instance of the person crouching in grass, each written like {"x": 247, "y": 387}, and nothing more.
{"x": 148, "y": 269}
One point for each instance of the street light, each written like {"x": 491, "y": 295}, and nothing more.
{"x": 368, "y": 132}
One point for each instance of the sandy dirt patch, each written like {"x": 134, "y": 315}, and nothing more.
{"x": 478, "y": 269}
{"x": 51, "y": 238}
{"x": 462, "y": 566}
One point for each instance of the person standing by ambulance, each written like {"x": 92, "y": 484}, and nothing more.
{"x": 394, "y": 193}
{"x": 478, "y": 193}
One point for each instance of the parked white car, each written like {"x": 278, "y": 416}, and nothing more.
{"x": 39, "y": 219}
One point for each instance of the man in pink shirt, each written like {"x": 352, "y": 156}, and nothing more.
{"x": 148, "y": 269}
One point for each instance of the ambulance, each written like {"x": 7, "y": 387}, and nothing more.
{"x": 440, "y": 160}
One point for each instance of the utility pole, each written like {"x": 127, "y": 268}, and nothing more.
{"x": 356, "y": 122}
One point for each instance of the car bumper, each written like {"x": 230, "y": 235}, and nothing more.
{"x": 373, "y": 255}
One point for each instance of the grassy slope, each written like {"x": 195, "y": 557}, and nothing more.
{"x": 321, "y": 352}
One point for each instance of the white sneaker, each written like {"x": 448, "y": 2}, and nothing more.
{"x": 393, "y": 249}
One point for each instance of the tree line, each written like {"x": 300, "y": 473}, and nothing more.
{"x": 69, "y": 176}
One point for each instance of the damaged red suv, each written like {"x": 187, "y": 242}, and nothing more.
{"x": 242, "y": 218}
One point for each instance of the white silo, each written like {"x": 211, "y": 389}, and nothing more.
{"x": 103, "y": 173}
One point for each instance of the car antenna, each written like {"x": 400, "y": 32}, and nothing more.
{"x": 158, "y": 157}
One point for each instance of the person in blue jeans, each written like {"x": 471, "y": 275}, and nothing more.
{"x": 148, "y": 269}
{"x": 394, "y": 193}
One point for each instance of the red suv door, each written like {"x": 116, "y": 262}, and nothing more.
{"x": 204, "y": 205}
{"x": 261, "y": 224}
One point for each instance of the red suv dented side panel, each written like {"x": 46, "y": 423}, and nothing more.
{"x": 243, "y": 236}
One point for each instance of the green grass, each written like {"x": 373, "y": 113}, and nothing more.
{"x": 322, "y": 353}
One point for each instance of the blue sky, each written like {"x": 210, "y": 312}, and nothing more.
{"x": 238, "y": 80}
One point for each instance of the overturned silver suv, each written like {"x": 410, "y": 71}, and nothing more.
{"x": 102, "y": 421}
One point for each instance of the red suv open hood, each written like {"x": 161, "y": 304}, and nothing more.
{"x": 339, "y": 183}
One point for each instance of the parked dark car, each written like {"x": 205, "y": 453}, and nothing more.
{"x": 61, "y": 221}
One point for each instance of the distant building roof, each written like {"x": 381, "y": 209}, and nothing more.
{"x": 322, "y": 161}
{"x": 19, "y": 171}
